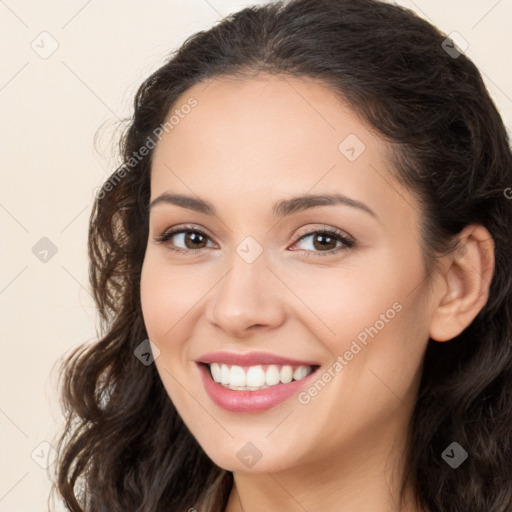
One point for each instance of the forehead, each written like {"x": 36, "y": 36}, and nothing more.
{"x": 264, "y": 115}
{"x": 268, "y": 137}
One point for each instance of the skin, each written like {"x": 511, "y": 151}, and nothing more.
{"x": 246, "y": 145}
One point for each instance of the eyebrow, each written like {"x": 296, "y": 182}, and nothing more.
{"x": 281, "y": 209}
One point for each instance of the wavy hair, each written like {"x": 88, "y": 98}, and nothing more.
{"x": 125, "y": 448}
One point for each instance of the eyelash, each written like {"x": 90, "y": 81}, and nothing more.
{"x": 338, "y": 235}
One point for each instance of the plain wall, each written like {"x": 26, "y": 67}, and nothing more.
{"x": 51, "y": 108}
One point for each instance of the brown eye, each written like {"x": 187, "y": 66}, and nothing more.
{"x": 194, "y": 240}
{"x": 325, "y": 242}
{"x": 184, "y": 240}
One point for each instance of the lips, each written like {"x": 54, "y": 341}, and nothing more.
{"x": 230, "y": 379}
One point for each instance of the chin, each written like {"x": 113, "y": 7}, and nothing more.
{"x": 248, "y": 460}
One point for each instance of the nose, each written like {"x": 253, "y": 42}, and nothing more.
{"x": 248, "y": 298}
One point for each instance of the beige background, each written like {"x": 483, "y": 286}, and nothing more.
{"x": 51, "y": 109}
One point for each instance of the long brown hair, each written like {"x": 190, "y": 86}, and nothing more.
{"x": 125, "y": 447}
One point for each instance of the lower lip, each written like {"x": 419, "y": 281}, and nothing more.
{"x": 250, "y": 401}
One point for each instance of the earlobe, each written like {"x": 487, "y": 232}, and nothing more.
{"x": 465, "y": 282}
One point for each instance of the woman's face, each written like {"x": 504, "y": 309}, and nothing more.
{"x": 255, "y": 284}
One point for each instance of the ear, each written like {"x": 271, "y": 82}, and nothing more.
{"x": 465, "y": 278}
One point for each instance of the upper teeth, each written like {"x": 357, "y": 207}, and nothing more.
{"x": 256, "y": 377}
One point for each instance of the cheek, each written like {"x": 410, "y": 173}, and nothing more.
{"x": 343, "y": 302}
{"x": 371, "y": 315}
{"x": 153, "y": 297}
{"x": 168, "y": 294}
{"x": 166, "y": 298}
{"x": 160, "y": 306}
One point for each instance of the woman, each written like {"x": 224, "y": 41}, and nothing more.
{"x": 312, "y": 227}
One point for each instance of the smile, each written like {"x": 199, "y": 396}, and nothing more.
{"x": 254, "y": 378}
{"x": 254, "y": 382}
